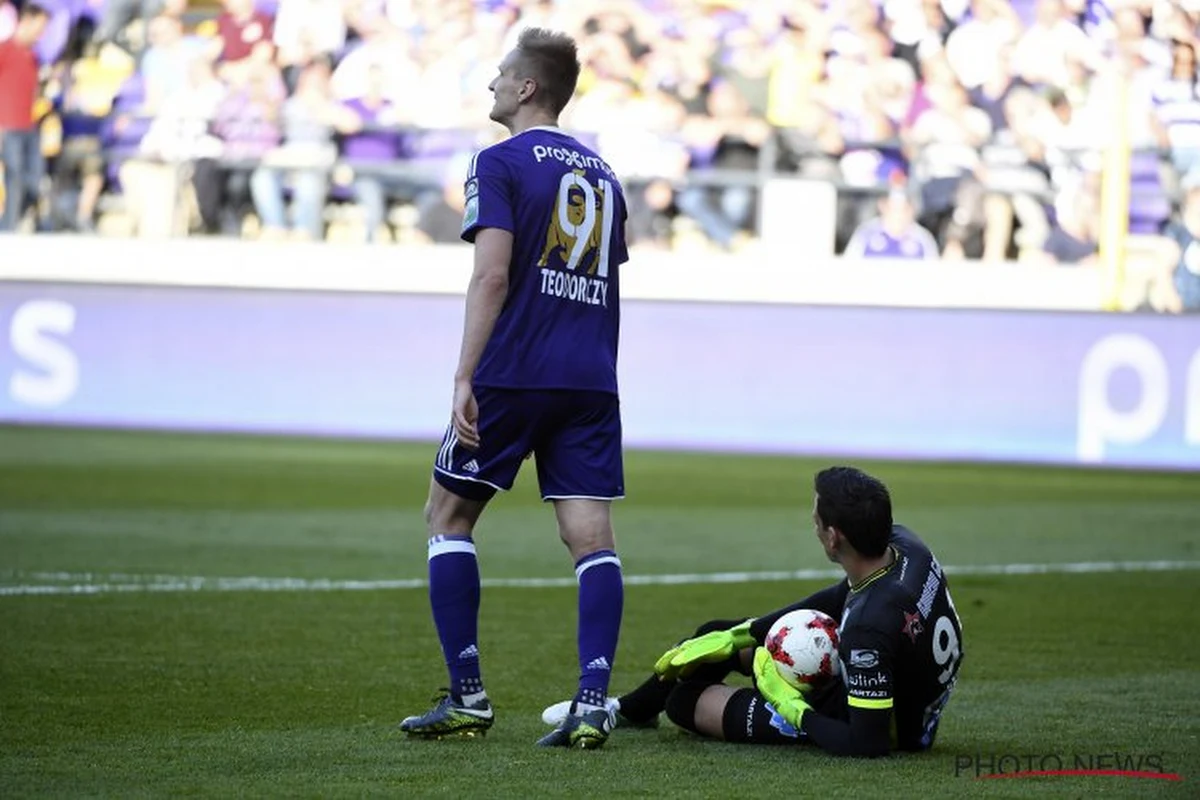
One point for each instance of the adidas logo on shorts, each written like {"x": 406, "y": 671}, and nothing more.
{"x": 471, "y": 466}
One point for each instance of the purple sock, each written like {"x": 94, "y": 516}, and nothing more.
{"x": 601, "y": 598}
{"x": 454, "y": 596}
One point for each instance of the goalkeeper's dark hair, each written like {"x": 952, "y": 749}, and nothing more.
{"x": 857, "y": 505}
{"x": 552, "y": 60}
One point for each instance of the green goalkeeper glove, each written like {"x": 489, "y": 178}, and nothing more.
{"x": 787, "y": 699}
{"x": 683, "y": 658}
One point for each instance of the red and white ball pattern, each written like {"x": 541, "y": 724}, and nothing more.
{"x": 804, "y": 645}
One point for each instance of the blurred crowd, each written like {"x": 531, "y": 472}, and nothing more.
{"x": 950, "y": 128}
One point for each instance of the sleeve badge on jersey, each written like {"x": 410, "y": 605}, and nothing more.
{"x": 471, "y": 189}
{"x": 864, "y": 659}
{"x": 471, "y": 213}
{"x": 912, "y": 626}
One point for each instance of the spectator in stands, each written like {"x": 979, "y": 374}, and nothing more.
{"x": 248, "y": 126}
{"x": 89, "y": 89}
{"x": 1177, "y": 110}
{"x": 1074, "y": 236}
{"x": 974, "y": 47}
{"x": 1017, "y": 175}
{"x": 1179, "y": 286}
{"x": 167, "y": 62}
{"x": 916, "y": 26}
{"x": 746, "y": 62}
{"x": 154, "y": 181}
{"x": 20, "y": 144}
{"x": 1042, "y": 53}
{"x": 869, "y": 93}
{"x": 310, "y": 118}
{"x": 308, "y": 29}
{"x": 117, "y": 15}
{"x": 991, "y": 95}
{"x": 369, "y": 145}
{"x": 943, "y": 144}
{"x": 380, "y": 47}
{"x": 894, "y": 233}
{"x": 244, "y": 40}
{"x": 728, "y": 138}
{"x": 440, "y": 219}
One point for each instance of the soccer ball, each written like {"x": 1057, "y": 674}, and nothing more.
{"x": 804, "y": 646}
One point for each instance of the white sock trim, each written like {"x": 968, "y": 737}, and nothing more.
{"x": 582, "y": 568}
{"x": 444, "y": 547}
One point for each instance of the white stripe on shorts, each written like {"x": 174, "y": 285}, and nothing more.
{"x": 446, "y": 453}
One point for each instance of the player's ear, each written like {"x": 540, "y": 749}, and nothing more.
{"x": 527, "y": 90}
{"x": 835, "y": 538}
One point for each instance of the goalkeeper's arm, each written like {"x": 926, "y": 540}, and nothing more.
{"x": 867, "y": 729}
{"x": 829, "y": 600}
{"x": 867, "y": 733}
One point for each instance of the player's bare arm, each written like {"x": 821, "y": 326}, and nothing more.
{"x": 485, "y": 298}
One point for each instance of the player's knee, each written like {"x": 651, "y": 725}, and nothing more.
{"x": 584, "y": 526}
{"x": 446, "y": 512}
{"x": 681, "y": 704}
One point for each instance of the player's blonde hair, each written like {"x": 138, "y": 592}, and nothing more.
{"x": 551, "y": 59}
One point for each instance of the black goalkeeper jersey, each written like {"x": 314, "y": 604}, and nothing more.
{"x": 901, "y": 642}
{"x": 901, "y": 646}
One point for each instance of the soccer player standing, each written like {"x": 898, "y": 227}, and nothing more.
{"x": 537, "y": 373}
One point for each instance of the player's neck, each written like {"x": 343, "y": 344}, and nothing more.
{"x": 861, "y": 571}
{"x": 534, "y": 118}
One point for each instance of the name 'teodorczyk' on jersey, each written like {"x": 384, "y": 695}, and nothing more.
{"x": 559, "y": 326}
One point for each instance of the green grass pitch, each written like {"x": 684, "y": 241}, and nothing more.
{"x": 297, "y": 692}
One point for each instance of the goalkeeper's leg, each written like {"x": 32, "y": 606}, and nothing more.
{"x": 644, "y": 703}
{"x": 729, "y": 713}
{"x": 742, "y": 714}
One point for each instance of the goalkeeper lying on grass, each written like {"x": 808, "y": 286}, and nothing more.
{"x": 900, "y": 646}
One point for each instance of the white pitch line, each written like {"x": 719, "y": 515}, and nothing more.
{"x": 69, "y": 583}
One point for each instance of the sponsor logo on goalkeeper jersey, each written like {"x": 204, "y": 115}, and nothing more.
{"x": 859, "y": 680}
{"x": 864, "y": 659}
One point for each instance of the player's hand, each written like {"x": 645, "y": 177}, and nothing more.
{"x": 683, "y": 658}
{"x": 787, "y": 699}
{"x": 465, "y": 415}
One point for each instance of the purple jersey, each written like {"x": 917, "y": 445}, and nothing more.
{"x": 872, "y": 240}
{"x": 563, "y": 205}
